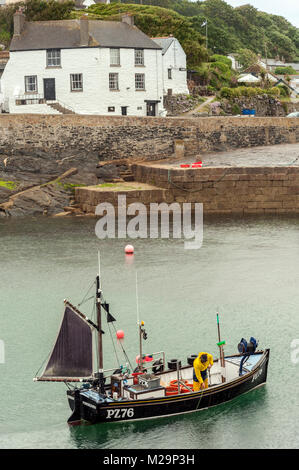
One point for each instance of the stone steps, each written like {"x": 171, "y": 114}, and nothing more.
{"x": 58, "y": 107}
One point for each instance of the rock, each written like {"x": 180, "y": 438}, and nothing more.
{"x": 39, "y": 200}
{"x": 5, "y": 193}
{"x": 107, "y": 172}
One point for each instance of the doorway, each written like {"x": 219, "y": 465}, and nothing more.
{"x": 151, "y": 108}
{"x": 49, "y": 89}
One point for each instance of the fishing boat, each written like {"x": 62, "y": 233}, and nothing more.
{"x": 155, "y": 388}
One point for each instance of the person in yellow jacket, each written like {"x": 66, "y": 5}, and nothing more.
{"x": 201, "y": 364}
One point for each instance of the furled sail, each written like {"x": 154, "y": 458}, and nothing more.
{"x": 71, "y": 357}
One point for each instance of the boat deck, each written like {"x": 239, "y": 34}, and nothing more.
{"x": 232, "y": 365}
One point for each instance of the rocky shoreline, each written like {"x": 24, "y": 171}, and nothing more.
{"x": 40, "y": 184}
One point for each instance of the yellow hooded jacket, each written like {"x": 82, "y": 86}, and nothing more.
{"x": 199, "y": 366}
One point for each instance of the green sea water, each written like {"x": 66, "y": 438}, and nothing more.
{"x": 248, "y": 270}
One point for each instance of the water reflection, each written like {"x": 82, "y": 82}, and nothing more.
{"x": 196, "y": 429}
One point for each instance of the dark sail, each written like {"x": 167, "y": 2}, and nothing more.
{"x": 72, "y": 354}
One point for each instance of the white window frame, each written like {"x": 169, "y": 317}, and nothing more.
{"x": 139, "y": 81}
{"x": 113, "y": 81}
{"x": 139, "y": 56}
{"x": 114, "y": 56}
{"x": 76, "y": 81}
{"x": 31, "y": 84}
{"x": 53, "y": 58}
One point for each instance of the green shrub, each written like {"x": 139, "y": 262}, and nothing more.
{"x": 285, "y": 107}
{"x": 284, "y": 91}
{"x": 274, "y": 91}
{"x": 236, "y": 109}
{"x": 226, "y": 92}
{"x": 220, "y": 66}
{"x": 221, "y": 58}
{"x": 285, "y": 71}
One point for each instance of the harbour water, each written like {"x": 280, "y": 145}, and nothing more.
{"x": 248, "y": 270}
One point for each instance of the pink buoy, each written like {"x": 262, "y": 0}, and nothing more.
{"x": 129, "y": 249}
{"x": 120, "y": 334}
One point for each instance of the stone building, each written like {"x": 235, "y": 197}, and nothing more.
{"x": 174, "y": 66}
{"x": 83, "y": 66}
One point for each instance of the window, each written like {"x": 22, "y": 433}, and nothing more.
{"x": 113, "y": 81}
{"x": 169, "y": 74}
{"x": 139, "y": 57}
{"x": 77, "y": 82}
{"x": 53, "y": 58}
{"x": 111, "y": 109}
{"x": 31, "y": 84}
{"x": 114, "y": 57}
{"x": 139, "y": 81}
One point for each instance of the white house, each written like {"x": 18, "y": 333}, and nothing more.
{"x": 174, "y": 66}
{"x": 235, "y": 64}
{"x": 84, "y": 66}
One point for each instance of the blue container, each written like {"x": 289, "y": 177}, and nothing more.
{"x": 248, "y": 112}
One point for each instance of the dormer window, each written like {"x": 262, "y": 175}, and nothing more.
{"x": 53, "y": 58}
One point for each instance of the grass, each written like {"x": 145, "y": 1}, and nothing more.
{"x": 8, "y": 184}
{"x": 70, "y": 186}
{"x": 118, "y": 186}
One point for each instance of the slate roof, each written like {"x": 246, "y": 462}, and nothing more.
{"x": 164, "y": 42}
{"x": 65, "y": 34}
{"x": 278, "y": 63}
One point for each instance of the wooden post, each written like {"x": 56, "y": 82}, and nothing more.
{"x": 221, "y": 344}
{"x": 140, "y": 349}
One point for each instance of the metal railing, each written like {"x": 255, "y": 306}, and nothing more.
{"x": 30, "y": 99}
{"x": 160, "y": 353}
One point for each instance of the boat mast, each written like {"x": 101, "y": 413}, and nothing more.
{"x": 99, "y": 320}
{"x": 140, "y": 368}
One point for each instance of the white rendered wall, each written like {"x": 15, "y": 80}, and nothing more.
{"x": 174, "y": 59}
{"x": 94, "y": 64}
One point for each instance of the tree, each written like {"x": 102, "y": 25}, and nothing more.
{"x": 195, "y": 52}
{"x": 285, "y": 71}
{"x": 35, "y": 10}
{"x": 246, "y": 58}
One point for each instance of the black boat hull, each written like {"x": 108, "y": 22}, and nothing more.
{"x": 90, "y": 410}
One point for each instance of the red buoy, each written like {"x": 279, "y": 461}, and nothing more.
{"x": 129, "y": 249}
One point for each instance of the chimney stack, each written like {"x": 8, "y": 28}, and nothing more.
{"x": 84, "y": 31}
{"x": 18, "y": 22}
{"x": 128, "y": 18}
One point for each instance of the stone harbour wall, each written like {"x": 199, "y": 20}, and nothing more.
{"x": 239, "y": 191}
{"x": 138, "y": 138}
